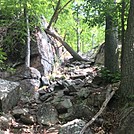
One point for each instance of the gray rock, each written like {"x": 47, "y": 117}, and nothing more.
{"x": 80, "y": 111}
{"x": 4, "y": 74}
{"x": 99, "y": 58}
{"x": 45, "y": 81}
{"x": 24, "y": 99}
{"x": 5, "y": 121}
{"x": 70, "y": 85}
{"x": 17, "y": 112}
{"x": 27, "y": 119}
{"x": 32, "y": 73}
{"x": 9, "y": 94}
{"x": 73, "y": 85}
{"x": 29, "y": 86}
{"x": 45, "y": 97}
{"x": 61, "y": 100}
{"x": 47, "y": 115}
{"x": 66, "y": 103}
{"x": 65, "y": 116}
{"x": 83, "y": 93}
{"x": 73, "y": 127}
{"x": 95, "y": 99}
{"x": 67, "y": 83}
{"x": 79, "y": 83}
{"x": 2, "y": 132}
{"x": 63, "y": 105}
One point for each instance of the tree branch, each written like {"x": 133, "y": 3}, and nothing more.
{"x": 54, "y": 15}
{"x": 64, "y": 6}
{"x": 109, "y": 95}
{"x": 57, "y": 12}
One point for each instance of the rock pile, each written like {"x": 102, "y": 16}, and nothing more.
{"x": 68, "y": 95}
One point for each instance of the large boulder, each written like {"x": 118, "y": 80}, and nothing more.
{"x": 99, "y": 58}
{"x": 9, "y": 94}
{"x": 45, "y": 56}
{"x": 47, "y": 115}
{"x": 29, "y": 79}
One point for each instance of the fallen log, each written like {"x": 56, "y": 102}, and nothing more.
{"x": 75, "y": 55}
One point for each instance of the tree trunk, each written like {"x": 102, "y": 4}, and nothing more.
{"x": 127, "y": 70}
{"x": 55, "y": 15}
{"x": 77, "y": 31}
{"x": 28, "y": 44}
{"x": 122, "y": 27}
{"x": 111, "y": 44}
{"x": 27, "y": 59}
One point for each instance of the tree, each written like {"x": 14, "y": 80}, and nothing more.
{"x": 111, "y": 42}
{"x": 26, "y": 16}
{"x": 104, "y": 13}
{"x": 127, "y": 64}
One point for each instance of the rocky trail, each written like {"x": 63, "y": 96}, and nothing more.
{"x": 65, "y": 102}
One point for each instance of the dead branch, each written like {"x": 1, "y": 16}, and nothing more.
{"x": 109, "y": 95}
{"x": 68, "y": 48}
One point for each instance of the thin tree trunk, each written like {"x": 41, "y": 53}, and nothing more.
{"x": 54, "y": 15}
{"x": 77, "y": 32}
{"x": 57, "y": 12}
{"x": 27, "y": 60}
{"x": 123, "y": 28}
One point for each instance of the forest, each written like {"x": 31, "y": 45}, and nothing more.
{"x": 66, "y": 66}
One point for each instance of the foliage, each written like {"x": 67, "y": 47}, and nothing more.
{"x": 110, "y": 77}
{"x": 131, "y": 98}
{"x": 2, "y": 56}
{"x": 97, "y": 10}
{"x": 12, "y": 12}
{"x": 67, "y": 24}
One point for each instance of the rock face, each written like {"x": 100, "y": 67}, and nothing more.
{"x": 45, "y": 53}
{"x": 73, "y": 127}
{"x": 9, "y": 94}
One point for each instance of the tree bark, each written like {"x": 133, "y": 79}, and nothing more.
{"x": 122, "y": 27}
{"x": 77, "y": 30}
{"x": 111, "y": 45}
{"x": 127, "y": 70}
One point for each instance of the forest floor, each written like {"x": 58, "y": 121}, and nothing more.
{"x": 107, "y": 120}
